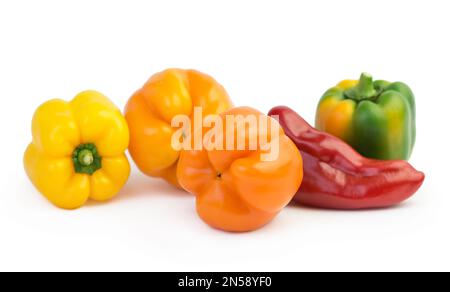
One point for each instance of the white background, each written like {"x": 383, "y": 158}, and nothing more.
{"x": 265, "y": 53}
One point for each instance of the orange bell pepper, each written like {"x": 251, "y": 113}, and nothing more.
{"x": 150, "y": 110}
{"x": 237, "y": 190}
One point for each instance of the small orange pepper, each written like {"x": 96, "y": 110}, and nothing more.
{"x": 236, "y": 189}
{"x": 150, "y": 110}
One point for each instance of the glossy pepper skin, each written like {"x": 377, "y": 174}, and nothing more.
{"x": 237, "y": 191}
{"x": 376, "y": 118}
{"x": 150, "y": 110}
{"x": 337, "y": 177}
{"x": 77, "y": 152}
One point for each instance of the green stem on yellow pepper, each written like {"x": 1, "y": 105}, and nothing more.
{"x": 86, "y": 159}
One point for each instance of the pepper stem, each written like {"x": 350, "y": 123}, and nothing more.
{"x": 364, "y": 90}
{"x": 86, "y": 159}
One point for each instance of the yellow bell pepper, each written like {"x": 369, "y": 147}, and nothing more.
{"x": 78, "y": 150}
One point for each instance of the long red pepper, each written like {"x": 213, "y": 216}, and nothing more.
{"x": 337, "y": 177}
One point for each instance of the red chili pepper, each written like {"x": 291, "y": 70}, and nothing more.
{"x": 337, "y": 177}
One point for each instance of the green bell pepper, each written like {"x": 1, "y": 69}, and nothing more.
{"x": 377, "y": 118}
